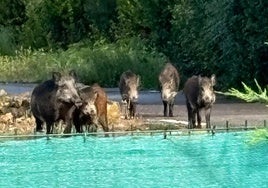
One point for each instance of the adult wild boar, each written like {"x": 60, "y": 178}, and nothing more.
{"x": 169, "y": 82}
{"x": 128, "y": 86}
{"x": 93, "y": 110}
{"x": 199, "y": 95}
{"x": 54, "y": 100}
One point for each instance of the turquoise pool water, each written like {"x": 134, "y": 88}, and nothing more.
{"x": 224, "y": 160}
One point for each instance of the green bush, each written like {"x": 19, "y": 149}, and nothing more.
{"x": 7, "y": 42}
{"x": 223, "y": 37}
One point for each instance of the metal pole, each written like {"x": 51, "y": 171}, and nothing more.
{"x": 165, "y": 134}
{"x": 131, "y": 128}
{"x": 227, "y": 125}
{"x": 85, "y": 136}
{"x": 113, "y": 129}
{"x": 151, "y": 133}
{"x": 213, "y": 130}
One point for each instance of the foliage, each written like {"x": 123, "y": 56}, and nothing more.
{"x": 12, "y": 18}
{"x": 59, "y": 23}
{"x": 7, "y": 41}
{"x": 249, "y": 94}
{"x": 224, "y": 37}
{"x": 221, "y": 37}
{"x": 259, "y": 135}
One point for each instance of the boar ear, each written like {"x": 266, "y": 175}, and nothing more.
{"x": 95, "y": 95}
{"x": 174, "y": 93}
{"x": 199, "y": 79}
{"x": 171, "y": 81}
{"x": 213, "y": 79}
{"x": 56, "y": 76}
{"x": 72, "y": 73}
{"x": 138, "y": 80}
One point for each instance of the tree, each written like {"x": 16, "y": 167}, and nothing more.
{"x": 12, "y": 18}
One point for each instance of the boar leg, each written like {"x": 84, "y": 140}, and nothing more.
{"x": 68, "y": 119}
{"x": 131, "y": 114}
{"x": 39, "y": 124}
{"x": 68, "y": 128}
{"x": 165, "y": 108}
{"x": 198, "y": 119}
{"x": 104, "y": 124}
{"x": 49, "y": 127}
{"x": 194, "y": 118}
{"x": 132, "y": 110}
{"x": 190, "y": 119}
{"x": 77, "y": 123}
{"x": 171, "y": 105}
{"x": 207, "y": 114}
{"x": 92, "y": 128}
{"x": 127, "y": 109}
{"x": 191, "y": 116}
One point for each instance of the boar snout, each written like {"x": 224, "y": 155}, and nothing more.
{"x": 168, "y": 95}
{"x": 134, "y": 99}
{"x": 76, "y": 100}
{"x": 208, "y": 97}
{"x": 90, "y": 110}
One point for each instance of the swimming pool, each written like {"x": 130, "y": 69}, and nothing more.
{"x": 222, "y": 160}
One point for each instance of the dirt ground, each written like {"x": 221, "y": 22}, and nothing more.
{"x": 225, "y": 110}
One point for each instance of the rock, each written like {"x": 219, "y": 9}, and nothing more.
{"x": 2, "y": 93}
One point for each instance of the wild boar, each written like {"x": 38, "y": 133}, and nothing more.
{"x": 54, "y": 100}
{"x": 93, "y": 110}
{"x": 199, "y": 95}
{"x": 128, "y": 86}
{"x": 169, "y": 81}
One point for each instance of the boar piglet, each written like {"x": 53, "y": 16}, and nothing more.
{"x": 128, "y": 86}
{"x": 199, "y": 95}
{"x": 54, "y": 100}
{"x": 93, "y": 110}
{"x": 169, "y": 81}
